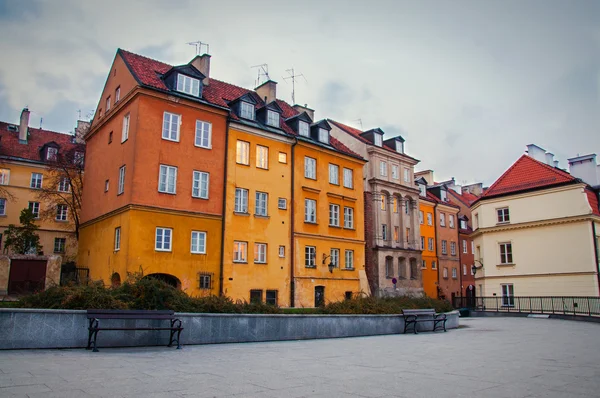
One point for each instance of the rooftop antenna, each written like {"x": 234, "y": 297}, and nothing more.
{"x": 78, "y": 114}
{"x": 359, "y": 122}
{"x": 293, "y": 77}
{"x": 263, "y": 71}
{"x": 41, "y": 120}
{"x": 199, "y": 45}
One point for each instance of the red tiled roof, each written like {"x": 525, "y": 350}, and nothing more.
{"x": 525, "y": 174}
{"x": 466, "y": 198}
{"x": 593, "y": 200}
{"x": 37, "y": 138}
{"x": 470, "y": 197}
{"x": 148, "y": 72}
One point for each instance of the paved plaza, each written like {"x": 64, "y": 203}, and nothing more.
{"x": 486, "y": 357}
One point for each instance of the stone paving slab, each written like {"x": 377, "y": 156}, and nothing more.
{"x": 486, "y": 357}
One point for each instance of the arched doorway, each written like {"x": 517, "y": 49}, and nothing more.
{"x": 115, "y": 280}
{"x": 470, "y": 296}
{"x": 168, "y": 279}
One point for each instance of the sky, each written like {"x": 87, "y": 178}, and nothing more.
{"x": 468, "y": 84}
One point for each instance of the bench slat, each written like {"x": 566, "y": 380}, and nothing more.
{"x": 131, "y": 316}
{"x": 142, "y": 328}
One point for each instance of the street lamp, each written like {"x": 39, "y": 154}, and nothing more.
{"x": 474, "y": 268}
{"x": 330, "y": 265}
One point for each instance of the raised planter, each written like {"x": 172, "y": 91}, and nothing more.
{"x": 38, "y": 328}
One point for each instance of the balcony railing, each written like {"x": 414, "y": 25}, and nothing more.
{"x": 587, "y": 306}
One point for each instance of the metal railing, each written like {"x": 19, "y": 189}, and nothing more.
{"x": 586, "y": 306}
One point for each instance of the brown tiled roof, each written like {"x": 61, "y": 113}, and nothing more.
{"x": 593, "y": 201}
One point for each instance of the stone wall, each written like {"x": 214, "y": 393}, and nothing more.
{"x": 36, "y": 328}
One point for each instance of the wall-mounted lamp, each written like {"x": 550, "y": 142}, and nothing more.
{"x": 330, "y": 265}
{"x": 474, "y": 268}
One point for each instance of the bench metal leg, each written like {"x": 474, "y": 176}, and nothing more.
{"x": 93, "y": 334}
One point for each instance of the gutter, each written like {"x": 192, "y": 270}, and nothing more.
{"x": 221, "y": 265}
{"x": 292, "y": 251}
{"x": 596, "y": 252}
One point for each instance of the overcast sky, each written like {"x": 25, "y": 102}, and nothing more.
{"x": 467, "y": 83}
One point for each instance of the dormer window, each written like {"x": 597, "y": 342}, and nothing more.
{"x": 247, "y": 110}
{"x": 378, "y": 139}
{"x": 188, "y": 85}
{"x": 303, "y": 128}
{"x": 51, "y": 153}
{"x": 463, "y": 224}
{"x": 272, "y": 118}
{"x": 324, "y": 136}
{"x": 422, "y": 190}
{"x": 443, "y": 195}
{"x": 399, "y": 146}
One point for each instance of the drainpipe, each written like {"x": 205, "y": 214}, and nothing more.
{"x": 292, "y": 251}
{"x": 596, "y": 252}
{"x": 221, "y": 266}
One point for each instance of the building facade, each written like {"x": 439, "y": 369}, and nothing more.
{"x": 427, "y": 221}
{"x": 391, "y": 212}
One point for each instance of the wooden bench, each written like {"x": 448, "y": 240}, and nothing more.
{"x": 95, "y": 316}
{"x": 411, "y": 318}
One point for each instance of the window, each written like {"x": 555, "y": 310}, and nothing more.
{"x": 422, "y": 243}
{"x": 454, "y": 273}
{"x": 121, "y": 180}
{"x": 107, "y": 103}
{"x": 125, "y": 130}
{"x": 282, "y": 203}
{"x": 424, "y": 264}
{"x": 451, "y": 220}
{"x": 272, "y": 118}
{"x": 473, "y": 269}
{"x": 63, "y": 185}
{"x": 2, "y": 207}
{"x": 389, "y": 267}
{"x": 324, "y": 136}
{"x": 4, "y": 176}
{"x": 429, "y": 219}
{"x": 433, "y": 265}
{"x": 335, "y": 257}
{"x": 407, "y": 235}
{"x": 401, "y": 268}
{"x": 241, "y": 200}
{"x": 464, "y": 269}
{"x": 167, "y": 179}
{"x": 260, "y": 253}
{"x": 473, "y": 247}
{"x": 349, "y": 264}
{"x": 188, "y": 85}
{"x": 334, "y": 174}
{"x": 59, "y": 245}
{"x": 310, "y": 210}
{"x": 503, "y": 215}
{"x": 420, "y": 217}
{"x": 61, "y": 212}
{"x": 247, "y": 110}
{"x": 204, "y": 281}
{"x": 453, "y": 248}
{"x": 198, "y": 242}
{"x": 203, "y": 134}
{"x": 303, "y": 129}
{"x": 506, "y": 253}
{"x": 348, "y": 295}
{"x": 396, "y": 234}
{"x": 35, "y": 209}
{"x": 348, "y": 217}
{"x": 200, "y": 182}
{"x": 110, "y": 135}
{"x": 242, "y": 155}
{"x": 117, "y": 239}
{"x": 422, "y": 190}
{"x": 51, "y": 153}
{"x": 378, "y": 138}
{"x": 443, "y": 196}
{"x": 271, "y": 297}
{"x": 399, "y": 146}
{"x": 406, "y": 175}
{"x": 430, "y": 244}
{"x": 260, "y": 207}
{"x": 444, "y": 247}
{"x": 383, "y": 202}
{"x": 282, "y": 157}
{"x": 445, "y": 273}
{"x": 414, "y": 272}
{"x": 407, "y": 207}
{"x": 464, "y": 245}
{"x": 508, "y": 295}
{"x": 256, "y": 296}
{"x": 384, "y": 232}
{"x": 476, "y": 221}
{"x": 395, "y": 175}
{"x": 240, "y": 250}
{"x": 383, "y": 169}
{"x": 395, "y": 204}
{"x": 36, "y": 181}
{"x": 463, "y": 224}
{"x": 348, "y": 178}
{"x": 334, "y": 215}
{"x": 310, "y": 254}
{"x": 163, "y": 239}
{"x": 117, "y": 94}
{"x": 262, "y": 157}
{"x": 310, "y": 168}
{"x": 170, "y": 129}
{"x": 282, "y": 251}
{"x": 442, "y": 219}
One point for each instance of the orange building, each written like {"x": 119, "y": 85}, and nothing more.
{"x": 427, "y": 222}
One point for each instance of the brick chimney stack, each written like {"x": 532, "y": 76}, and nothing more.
{"x": 202, "y": 63}
{"x": 24, "y": 125}
{"x": 267, "y": 91}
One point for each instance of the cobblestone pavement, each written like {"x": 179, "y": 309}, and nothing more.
{"x": 486, "y": 357}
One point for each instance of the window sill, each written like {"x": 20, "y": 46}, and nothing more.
{"x": 334, "y": 226}
{"x": 61, "y": 221}
{"x": 242, "y": 164}
{"x": 262, "y": 168}
{"x": 240, "y": 262}
{"x": 168, "y": 193}
{"x": 198, "y": 253}
{"x": 310, "y": 266}
{"x": 163, "y": 251}
{"x": 261, "y": 216}
{"x": 125, "y": 140}
{"x": 506, "y": 265}
{"x": 350, "y": 229}
{"x": 503, "y": 223}
{"x": 203, "y": 147}
{"x": 169, "y": 139}
{"x": 310, "y": 222}
{"x": 199, "y": 197}
{"x": 239, "y": 213}
{"x": 259, "y": 263}
{"x": 347, "y": 269}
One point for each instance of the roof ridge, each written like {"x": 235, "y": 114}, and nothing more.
{"x": 343, "y": 126}
{"x": 143, "y": 56}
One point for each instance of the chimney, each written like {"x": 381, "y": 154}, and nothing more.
{"x": 585, "y": 168}
{"x": 80, "y": 131}
{"x": 549, "y": 159}
{"x": 267, "y": 91}
{"x": 536, "y": 152}
{"x": 556, "y": 164}
{"x": 305, "y": 108}
{"x": 24, "y": 125}
{"x": 202, "y": 63}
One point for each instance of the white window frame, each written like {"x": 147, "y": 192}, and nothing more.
{"x": 406, "y": 175}
{"x": 349, "y": 217}
{"x": 395, "y": 170}
{"x": 444, "y": 247}
{"x": 117, "y": 94}
{"x": 464, "y": 269}
{"x": 246, "y": 110}
{"x": 454, "y": 273}
{"x": 464, "y": 245}
{"x": 508, "y": 294}
{"x": 334, "y": 257}
{"x": 261, "y": 204}
{"x": 63, "y": 185}
{"x": 334, "y": 215}
{"x": 310, "y": 168}
{"x": 430, "y": 244}
{"x": 240, "y": 251}
{"x": 281, "y": 251}
{"x": 35, "y": 209}
{"x": 4, "y": 176}
{"x": 383, "y": 168}
{"x": 165, "y": 174}
{"x": 203, "y": 137}
{"x": 273, "y": 118}
{"x": 348, "y": 178}
{"x": 472, "y": 247}
{"x": 51, "y": 153}
{"x": 282, "y": 203}
{"x": 200, "y": 184}
{"x": 349, "y": 259}
{"x": 282, "y": 158}
{"x": 421, "y": 217}
{"x": 453, "y": 248}
{"x": 262, "y": 157}
{"x": 429, "y": 219}
{"x": 334, "y": 174}
{"x": 188, "y": 85}
{"x": 260, "y": 253}
{"x": 241, "y": 201}
{"x": 62, "y": 212}
{"x": 121, "y": 180}
{"x": 378, "y": 139}
{"x": 170, "y": 121}
{"x": 422, "y": 243}
{"x": 242, "y": 152}
{"x": 107, "y": 103}
{"x": 451, "y": 220}
{"x": 2, "y": 206}
{"x": 384, "y": 233}
{"x": 35, "y": 178}
{"x": 200, "y": 242}
{"x": 165, "y": 239}
{"x": 125, "y": 128}
{"x": 399, "y": 146}
{"x": 323, "y": 136}
{"x": 117, "y": 239}
{"x": 424, "y": 264}
{"x": 303, "y": 128}
{"x": 62, "y": 242}
{"x": 508, "y": 254}
{"x": 503, "y": 215}
{"x": 310, "y": 211}
{"x": 310, "y": 256}
{"x": 442, "y": 220}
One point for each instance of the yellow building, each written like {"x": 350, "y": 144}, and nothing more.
{"x": 27, "y": 182}
{"x": 429, "y": 267}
